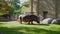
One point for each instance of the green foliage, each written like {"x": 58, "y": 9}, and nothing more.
{"x": 20, "y": 11}
{"x": 3, "y": 10}
{"x": 16, "y": 9}
{"x": 15, "y": 5}
{"x": 0, "y": 5}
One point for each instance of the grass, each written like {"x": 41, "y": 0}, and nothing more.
{"x": 17, "y": 28}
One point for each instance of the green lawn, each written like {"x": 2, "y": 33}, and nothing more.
{"x": 16, "y": 28}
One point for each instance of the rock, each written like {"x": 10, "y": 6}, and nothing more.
{"x": 47, "y": 21}
{"x": 58, "y": 21}
{"x": 54, "y": 21}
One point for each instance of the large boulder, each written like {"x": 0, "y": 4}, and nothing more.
{"x": 56, "y": 21}
{"x": 47, "y": 21}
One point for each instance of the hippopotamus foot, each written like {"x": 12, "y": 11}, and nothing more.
{"x": 28, "y": 22}
{"x": 21, "y": 23}
{"x": 31, "y": 22}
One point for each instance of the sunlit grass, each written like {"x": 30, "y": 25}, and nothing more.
{"x": 17, "y": 28}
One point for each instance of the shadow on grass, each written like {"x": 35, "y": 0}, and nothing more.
{"x": 1, "y": 23}
{"x": 4, "y": 20}
{"x": 39, "y": 24}
{"x": 26, "y": 30}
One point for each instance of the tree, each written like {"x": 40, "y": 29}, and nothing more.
{"x": 14, "y": 6}
{"x": 31, "y": 6}
{"x": 38, "y": 2}
{"x": 4, "y": 7}
{"x": 56, "y": 9}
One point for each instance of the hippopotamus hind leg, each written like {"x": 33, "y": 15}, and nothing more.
{"x": 20, "y": 20}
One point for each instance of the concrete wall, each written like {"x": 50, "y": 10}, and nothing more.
{"x": 45, "y": 5}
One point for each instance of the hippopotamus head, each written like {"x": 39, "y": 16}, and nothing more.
{"x": 38, "y": 19}
{"x": 35, "y": 18}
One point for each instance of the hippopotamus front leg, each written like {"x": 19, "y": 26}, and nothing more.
{"x": 28, "y": 22}
{"x": 31, "y": 22}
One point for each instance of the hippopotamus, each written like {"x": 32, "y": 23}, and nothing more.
{"x": 29, "y": 18}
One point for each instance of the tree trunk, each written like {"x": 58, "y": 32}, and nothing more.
{"x": 38, "y": 7}
{"x": 31, "y": 6}
{"x": 56, "y": 9}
